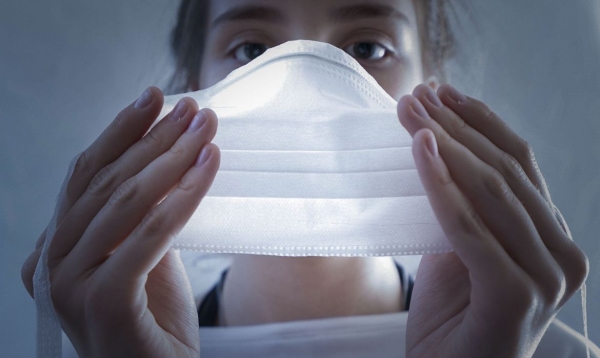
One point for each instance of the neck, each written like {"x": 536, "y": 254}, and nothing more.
{"x": 266, "y": 289}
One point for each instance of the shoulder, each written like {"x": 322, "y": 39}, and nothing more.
{"x": 562, "y": 341}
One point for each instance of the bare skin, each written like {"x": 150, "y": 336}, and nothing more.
{"x": 120, "y": 291}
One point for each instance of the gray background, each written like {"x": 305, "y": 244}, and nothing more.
{"x": 67, "y": 67}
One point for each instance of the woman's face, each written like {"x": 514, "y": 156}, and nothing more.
{"x": 381, "y": 35}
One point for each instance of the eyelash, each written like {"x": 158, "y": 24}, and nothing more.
{"x": 242, "y": 47}
{"x": 387, "y": 52}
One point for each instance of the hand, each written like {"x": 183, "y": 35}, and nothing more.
{"x": 514, "y": 263}
{"x": 118, "y": 288}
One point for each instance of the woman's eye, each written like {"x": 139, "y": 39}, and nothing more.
{"x": 366, "y": 51}
{"x": 249, "y": 51}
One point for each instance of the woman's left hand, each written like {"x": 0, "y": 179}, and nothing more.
{"x": 514, "y": 263}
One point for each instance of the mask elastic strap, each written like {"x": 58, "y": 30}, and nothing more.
{"x": 584, "y": 313}
{"x": 49, "y": 342}
{"x": 563, "y": 224}
{"x": 49, "y": 333}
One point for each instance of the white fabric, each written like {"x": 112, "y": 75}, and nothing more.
{"x": 378, "y": 336}
{"x": 352, "y": 337}
{"x": 344, "y": 337}
{"x": 314, "y": 162}
{"x": 48, "y": 327}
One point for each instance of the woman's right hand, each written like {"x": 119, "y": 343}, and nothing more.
{"x": 118, "y": 288}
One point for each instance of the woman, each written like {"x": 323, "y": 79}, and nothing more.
{"x": 119, "y": 289}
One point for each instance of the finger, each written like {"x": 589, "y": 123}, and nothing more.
{"x": 537, "y": 207}
{"x": 30, "y": 264}
{"x": 135, "y": 197}
{"x": 562, "y": 222}
{"x": 28, "y": 269}
{"x": 497, "y": 205}
{"x": 41, "y": 239}
{"x": 153, "y": 237}
{"x": 127, "y": 128}
{"x": 574, "y": 262}
{"x": 488, "y": 263}
{"x": 479, "y": 116}
{"x": 555, "y": 237}
{"x": 160, "y": 138}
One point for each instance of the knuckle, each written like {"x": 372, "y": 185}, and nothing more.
{"x": 187, "y": 183}
{"x": 470, "y": 223}
{"x": 554, "y": 287}
{"x": 444, "y": 137}
{"x": 497, "y": 186}
{"x": 41, "y": 239}
{"x": 27, "y": 272}
{"x": 512, "y": 169}
{"x": 457, "y": 124}
{"x": 153, "y": 139}
{"x": 82, "y": 164}
{"x": 489, "y": 113}
{"x": 120, "y": 121}
{"x": 126, "y": 192}
{"x": 564, "y": 226}
{"x": 525, "y": 151}
{"x": 406, "y": 101}
{"x": 445, "y": 178}
{"x": 103, "y": 182}
{"x": 176, "y": 150}
{"x": 579, "y": 268}
{"x": 81, "y": 170}
{"x": 154, "y": 223}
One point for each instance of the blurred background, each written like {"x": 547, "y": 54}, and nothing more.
{"x": 67, "y": 67}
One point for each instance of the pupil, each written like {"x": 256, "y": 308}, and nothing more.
{"x": 254, "y": 50}
{"x": 363, "y": 49}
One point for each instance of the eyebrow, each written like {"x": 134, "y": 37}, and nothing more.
{"x": 250, "y": 12}
{"x": 361, "y": 11}
{"x": 341, "y": 14}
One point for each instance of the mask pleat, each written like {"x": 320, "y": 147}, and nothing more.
{"x": 317, "y": 185}
{"x": 343, "y": 161}
{"x": 297, "y": 227}
{"x": 314, "y": 161}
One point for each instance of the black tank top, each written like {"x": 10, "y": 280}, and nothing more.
{"x": 209, "y": 307}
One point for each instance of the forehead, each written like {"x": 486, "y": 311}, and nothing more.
{"x": 285, "y": 11}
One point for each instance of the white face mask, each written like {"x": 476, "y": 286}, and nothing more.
{"x": 314, "y": 162}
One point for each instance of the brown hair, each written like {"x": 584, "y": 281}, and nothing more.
{"x": 438, "y": 41}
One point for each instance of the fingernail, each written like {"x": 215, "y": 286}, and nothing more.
{"x": 197, "y": 122}
{"x": 179, "y": 111}
{"x": 204, "y": 154}
{"x": 419, "y": 109}
{"x": 456, "y": 96}
{"x": 144, "y": 100}
{"x": 433, "y": 97}
{"x": 431, "y": 144}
